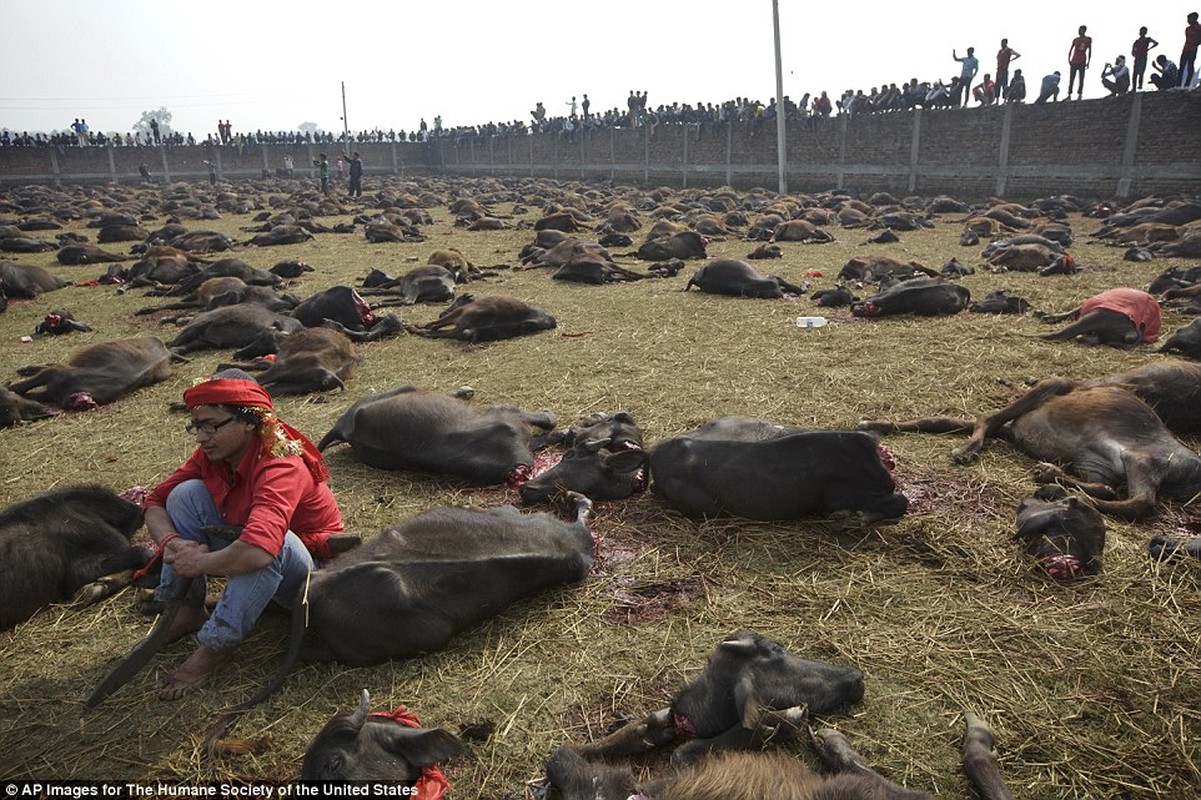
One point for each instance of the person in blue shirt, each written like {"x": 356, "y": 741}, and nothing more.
{"x": 971, "y": 65}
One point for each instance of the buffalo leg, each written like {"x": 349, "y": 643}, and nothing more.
{"x": 1046, "y": 473}
{"x": 839, "y": 756}
{"x": 1142, "y": 485}
{"x": 1166, "y": 548}
{"x": 656, "y": 730}
{"x": 989, "y": 426}
{"x": 759, "y": 726}
{"x": 927, "y": 425}
{"x": 979, "y": 761}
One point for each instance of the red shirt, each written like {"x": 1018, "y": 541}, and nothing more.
{"x": 268, "y": 495}
{"x": 1080, "y": 48}
{"x": 1192, "y": 36}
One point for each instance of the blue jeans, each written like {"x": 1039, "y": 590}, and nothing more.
{"x": 190, "y": 507}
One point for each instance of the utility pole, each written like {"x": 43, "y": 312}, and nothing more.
{"x": 781, "y": 144}
{"x": 346, "y": 125}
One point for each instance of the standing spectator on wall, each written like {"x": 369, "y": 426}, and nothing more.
{"x": 1139, "y": 49}
{"x": 1049, "y": 89}
{"x": 1016, "y": 93}
{"x": 1116, "y": 77}
{"x": 1080, "y": 55}
{"x": 356, "y": 176}
{"x": 1188, "y": 56}
{"x": 1168, "y": 76}
{"x": 573, "y": 106}
{"x": 1004, "y": 56}
{"x": 83, "y": 131}
{"x": 586, "y": 106}
{"x": 77, "y": 129}
{"x": 154, "y": 131}
{"x": 971, "y": 65}
{"x": 822, "y": 105}
{"x": 322, "y": 165}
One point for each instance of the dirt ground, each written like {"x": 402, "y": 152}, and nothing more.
{"x": 1093, "y": 689}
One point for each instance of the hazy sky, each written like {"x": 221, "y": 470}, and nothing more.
{"x": 273, "y": 65}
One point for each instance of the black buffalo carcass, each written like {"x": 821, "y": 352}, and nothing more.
{"x": 407, "y": 591}
{"x": 486, "y": 319}
{"x": 26, "y": 281}
{"x": 1120, "y": 317}
{"x": 1171, "y": 387}
{"x": 729, "y": 276}
{"x": 56, "y": 544}
{"x": 343, "y": 309}
{"x": 604, "y": 461}
{"x": 682, "y": 244}
{"x": 366, "y": 746}
{"x": 1185, "y": 340}
{"x": 15, "y": 409}
{"x": 235, "y": 326}
{"x": 412, "y": 429}
{"x": 1065, "y": 537}
{"x": 758, "y": 775}
{"x": 1103, "y": 435}
{"x": 751, "y": 686}
{"x": 759, "y": 469}
{"x": 97, "y": 374}
{"x": 925, "y": 297}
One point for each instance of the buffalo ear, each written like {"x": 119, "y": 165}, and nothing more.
{"x": 422, "y": 747}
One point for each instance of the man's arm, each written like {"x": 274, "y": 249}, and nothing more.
{"x": 191, "y": 559}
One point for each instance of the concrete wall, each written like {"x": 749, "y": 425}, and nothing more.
{"x": 1121, "y": 147}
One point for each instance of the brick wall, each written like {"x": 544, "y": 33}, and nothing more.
{"x": 1121, "y": 147}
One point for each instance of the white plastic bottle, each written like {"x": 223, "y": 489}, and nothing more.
{"x": 810, "y": 322}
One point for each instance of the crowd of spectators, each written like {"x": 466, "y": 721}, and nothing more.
{"x": 956, "y": 92}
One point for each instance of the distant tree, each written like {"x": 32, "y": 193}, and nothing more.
{"x": 161, "y": 115}
{"x": 309, "y": 127}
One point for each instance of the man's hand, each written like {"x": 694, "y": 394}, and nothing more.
{"x": 185, "y": 557}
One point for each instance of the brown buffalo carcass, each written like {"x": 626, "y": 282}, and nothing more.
{"x": 1119, "y": 317}
{"x": 97, "y": 374}
{"x": 231, "y": 326}
{"x": 486, "y": 319}
{"x": 1103, "y": 435}
{"x": 26, "y": 281}
{"x": 310, "y": 360}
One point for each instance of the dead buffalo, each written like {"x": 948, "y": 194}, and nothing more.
{"x": 1065, "y": 537}
{"x": 486, "y": 319}
{"x": 409, "y": 428}
{"x": 763, "y": 470}
{"x": 121, "y": 232}
{"x": 231, "y": 327}
{"x": 311, "y": 360}
{"x": 376, "y": 747}
{"x": 1118, "y": 317}
{"x": 1171, "y": 387}
{"x": 62, "y": 542}
{"x": 84, "y": 253}
{"x": 926, "y": 297}
{"x": 777, "y": 775}
{"x": 15, "y": 409}
{"x": 595, "y": 270}
{"x": 431, "y": 283}
{"x": 799, "y": 230}
{"x": 97, "y": 374}
{"x": 25, "y": 281}
{"x": 407, "y": 591}
{"x": 1102, "y": 434}
{"x": 685, "y": 244}
{"x": 751, "y": 683}
{"x": 281, "y": 234}
{"x": 874, "y": 268}
{"x": 604, "y": 461}
{"x": 1185, "y": 340}
{"x": 729, "y": 276}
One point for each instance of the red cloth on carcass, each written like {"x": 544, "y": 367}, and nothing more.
{"x": 432, "y": 784}
{"x": 1141, "y": 307}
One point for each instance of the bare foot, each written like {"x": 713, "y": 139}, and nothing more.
{"x": 192, "y": 673}
{"x": 188, "y": 620}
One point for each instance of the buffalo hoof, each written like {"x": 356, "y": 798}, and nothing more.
{"x": 966, "y": 454}
{"x": 1165, "y": 548}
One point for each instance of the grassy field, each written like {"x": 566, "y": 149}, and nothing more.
{"x": 1093, "y": 689}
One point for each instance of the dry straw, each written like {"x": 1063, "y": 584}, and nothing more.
{"x": 1094, "y": 689}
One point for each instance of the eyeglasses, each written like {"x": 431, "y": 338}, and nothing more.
{"x": 207, "y": 428}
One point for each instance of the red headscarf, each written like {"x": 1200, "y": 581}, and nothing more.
{"x": 279, "y": 438}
